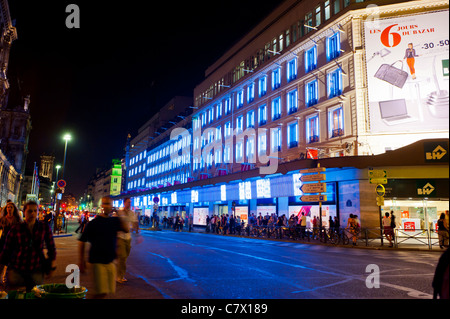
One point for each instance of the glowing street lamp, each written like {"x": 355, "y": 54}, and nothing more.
{"x": 66, "y": 138}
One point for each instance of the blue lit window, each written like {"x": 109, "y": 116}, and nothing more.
{"x": 219, "y": 110}
{"x": 203, "y": 119}
{"x": 311, "y": 59}
{"x": 227, "y": 129}
{"x": 262, "y": 143}
{"x": 276, "y": 139}
{"x": 262, "y": 86}
{"x": 218, "y": 133}
{"x": 292, "y": 70}
{"x": 227, "y": 106}
{"x": 240, "y": 99}
{"x": 335, "y": 122}
{"x": 240, "y": 123}
{"x": 292, "y": 135}
{"x": 276, "y": 78}
{"x": 250, "y": 149}
{"x": 292, "y": 101}
{"x": 276, "y": 109}
{"x": 262, "y": 115}
{"x": 211, "y": 115}
{"x": 333, "y": 46}
{"x": 239, "y": 151}
{"x": 334, "y": 83}
{"x": 251, "y": 119}
{"x": 251, "y": 93}
{"x": 218, "y": 155}
{"x": 312, "y": 93}
{"x": 312, "y": 129}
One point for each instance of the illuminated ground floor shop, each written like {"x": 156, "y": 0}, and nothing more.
{"x": 416, "y": 190}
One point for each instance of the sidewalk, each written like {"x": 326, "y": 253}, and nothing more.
{"x": 67, "y": 254}
{"x": 375, "y": 244}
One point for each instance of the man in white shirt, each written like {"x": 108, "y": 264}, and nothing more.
{"x": 124, "y": 239}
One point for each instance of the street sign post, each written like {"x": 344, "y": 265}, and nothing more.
{"x": 313, "y": 170}
{"x": 313, "y": 178}
{"x": 314, "y": 188}
{"x": 377, "y": 173}
{"x": 381, "y": 180}
{"x": 313, "y": 198}
{"x": 61, "y": 183}
{"x": 380, "y": 190}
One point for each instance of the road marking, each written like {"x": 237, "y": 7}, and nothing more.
{"x": 182, "y": 274}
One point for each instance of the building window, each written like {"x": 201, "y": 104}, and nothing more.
{"x": 308, "y": 21}
{"x": 240, "y": 99}
{"x": 227, "y": 106}
{"x": 318, "y": 16}
{"x": 211, "y": 115}
{"x": 251, "y": 93}
{"x": 218, "y": 133}
{"x": 218, "y": 155}
{"x": 276, "y": 139}
{"x": 311, "y": 59}
{"x": 262, "y": 143}
{"x": 262, "y": 86}
{"x": 239, "y": 151}
{"x": 312, "y": 93}
{"x": 333, "y": 46}
{"x": 251, "y": 119}
{"x": 327, "y": 9}
{"x": 239, "y": 124}
{"x": 334, "y": 83}
{"x": 276, "y": 78}
{"x": 219, "y": 110}
{"x": 292, "y": 102}
{"x": 335, "y": 122}
{"x": 276, "y": 109}
{"x": 227, "y": 129}
{"x": 262, "y": 115}
{"x": 292, "y": 135}
{"x": 312, "y": 129}
{"x": 203, "y": 117}
{"x": 250, "y": 149}
{"x": 292, "y": 70}
{"x": 337, "y": 6}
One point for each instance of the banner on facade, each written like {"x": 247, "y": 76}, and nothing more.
{"x": 407, "y": 72}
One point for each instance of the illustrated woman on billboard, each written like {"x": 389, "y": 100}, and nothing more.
{"x": 410, "y": 54}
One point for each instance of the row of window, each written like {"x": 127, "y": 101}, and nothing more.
{"x": 309, "y": 22}
{"x": 223, "y": 153}
{"x": 334, "y": 88}
{"x": 334, "y": 82}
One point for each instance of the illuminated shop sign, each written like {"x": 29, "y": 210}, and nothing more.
{"x": 173, "y": 198}
{"x": 263, "y": 188}
{"x": 223, "y": 192}
{"x": 194, "y": 196}
{"x": 245, "y": 190}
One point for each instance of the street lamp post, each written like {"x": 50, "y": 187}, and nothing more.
{"x": 66, "y": 138}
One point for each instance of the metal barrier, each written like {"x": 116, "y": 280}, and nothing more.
{"x": 417, "y": 236}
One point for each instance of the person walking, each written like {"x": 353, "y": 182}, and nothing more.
{"x": 124, "y": 239}
{"x": 101, "y": 233}
{"x": 23, "y": 251}
{"x": 442, "y": 232}
{"x": 387, "y": 228}
{"x": 393, "y": 224}
{"x": 9, "y": 217}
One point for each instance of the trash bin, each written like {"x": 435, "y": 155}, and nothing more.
{"x": 59, "y": 291}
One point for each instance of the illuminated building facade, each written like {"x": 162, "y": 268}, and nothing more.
{"x": 329, "y": 82}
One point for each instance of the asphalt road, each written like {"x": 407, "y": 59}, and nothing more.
{"x": 182, "y": 265}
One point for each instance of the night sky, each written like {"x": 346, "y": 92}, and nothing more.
{"x": 107, "y": 78}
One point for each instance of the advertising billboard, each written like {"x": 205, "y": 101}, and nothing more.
{"x": 200, "y": 214}
{"x": 408, "y": 72}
